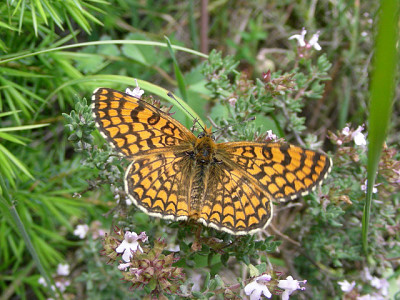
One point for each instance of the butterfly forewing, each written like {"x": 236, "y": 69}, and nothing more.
{"x": 134, "y": 126}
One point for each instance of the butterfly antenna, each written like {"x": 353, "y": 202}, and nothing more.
{"x": 195, "y": 120}
{"x": 231, "y": 125}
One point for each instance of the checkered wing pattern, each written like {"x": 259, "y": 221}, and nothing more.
{"x": 177, "y": 176}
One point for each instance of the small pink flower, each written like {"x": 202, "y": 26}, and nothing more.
{"x": 81, "y": 231}
{"x": 99, "y": 233}
{"x": 347, "y": 286}
{"x": 346, "y": 131}
{"x": 232, "y": 101}
{"x": 271, "y": 136}
{"x": 62, "y": 285}
{"x": 136, "y": 92}
{"x": 300, "y": 37}
{"x": 136, "y": 272}
{"x": 358, "y": 137}
{"x": 257, "y": 287}
{"x": 130, "y": 244}
{"x": 124, "y": 266}
{"x": 313, "y": 42}
{"x": 374, "y": 189}
{"x": 380, "y": 284}
{"x": 290, "y": 285}
{"x": 63, "y": 269}
{"x": 42, "y": 281}
{"x": 398, "y": 175}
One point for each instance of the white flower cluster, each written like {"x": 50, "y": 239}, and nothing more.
{"x": 258, "y": 287}
{"x": 61, "y": 282}
{"x": 380, "y": 284}
{"x": 374, "y": 189}
{"x": 82, "y": 230}
{"x": 357, "y": 135}
{"x": 313, "y": 42}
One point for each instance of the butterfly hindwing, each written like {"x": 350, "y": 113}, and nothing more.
{"x": 158, "y": 184}
{"x": 233, "y": 203}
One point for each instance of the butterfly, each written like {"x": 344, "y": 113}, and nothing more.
{"x": 178, "y": 176}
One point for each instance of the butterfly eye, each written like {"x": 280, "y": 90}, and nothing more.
{"x": 217, "y": 161}
{"x": 190, "y": 153}
{"x": 201, "y": 134}
{"x": 213, "y": 137}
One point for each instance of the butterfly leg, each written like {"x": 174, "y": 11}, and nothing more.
{"x": 196, "y": 246}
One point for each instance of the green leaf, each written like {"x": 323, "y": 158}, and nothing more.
{"x": 220, "y": 282}
{"x": 152, "y": 284}
{"x": 224, "y": 258}
{"x": 6, "y": 169}
{"x": 142, "y": 54}
{"x": 40, "y": 10}
{"x": 7, "y": 26}
{"x": 253, "y": 271}
{"x": 53, "y": 14}
{"x": 19, "y": 73}
{"x": 197, "y": 295}
{"x": 77, "y": 15}
{"x": 262, "y": 268}
{"x": 212, "y": 285}
{"x": 382, "y": 91}
{"x": 206, "y": 282}
{"x": 16, "y": 161}
{"x": 34, "y": 21}
{"x": 12, "y": 138}
{"x": 26, "y": 127}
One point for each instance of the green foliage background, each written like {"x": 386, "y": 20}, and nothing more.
{"x": 54, "y": 53}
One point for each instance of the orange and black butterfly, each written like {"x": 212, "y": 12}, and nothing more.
{"x": 177, "y": 176}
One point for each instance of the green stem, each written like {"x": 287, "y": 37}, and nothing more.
{"x": 112, "y": 42}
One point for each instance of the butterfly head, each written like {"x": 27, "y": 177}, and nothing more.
{"x": 204, "y": 149}
{"x": 206, "y": 133}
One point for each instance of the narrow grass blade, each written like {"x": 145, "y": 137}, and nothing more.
{"x": 382, "y": 91}
{"x": 178, "y": 73}
{"x": 23, "y": 54}
{"x": 6, "y": 198}
{"x": 24, "y": 127}
{"x": 16, "y": 161}
{"x": 118, "y": 80}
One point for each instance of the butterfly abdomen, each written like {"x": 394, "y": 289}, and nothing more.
{"x": 202, "y": 158}
{"x": 197, "y": 189}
